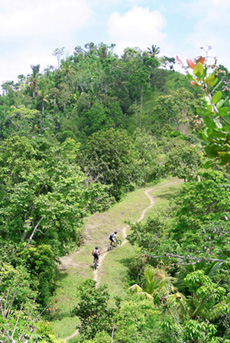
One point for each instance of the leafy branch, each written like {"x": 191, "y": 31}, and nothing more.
{"x": 197, "y": 259}
{"x": 214, "y": 109}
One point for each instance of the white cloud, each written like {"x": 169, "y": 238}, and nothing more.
{"x": 138, "y": 27}
{"x": 30, "y": 30}
{"x": 41, "y": 18}
{"x": 212, "y": 28}
{"x": 13, "y": 65}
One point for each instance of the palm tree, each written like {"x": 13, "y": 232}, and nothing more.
{"x": 34, "y": 79}
{"x": 154, "y": 50}
{"x": 158, "y": 285}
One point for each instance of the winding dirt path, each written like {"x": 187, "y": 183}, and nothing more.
{"x": 97, "y": 272}
{"x": 70, "y": 260}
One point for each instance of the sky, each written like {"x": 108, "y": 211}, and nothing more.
{"x": 30, "y": 30}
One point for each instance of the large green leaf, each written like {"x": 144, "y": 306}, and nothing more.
{"x": 209, "y": 122}
{"x": 218, "y": 134}
{"x": 220, "y": 104}
{"x": 216, "y": 97}
{"x": 211, "y": 80}
{"x": 211, "y": 151}
{"x": 223, "y": 111}
{"x": 224, "y": 157}
{"x": 199, "y": 70}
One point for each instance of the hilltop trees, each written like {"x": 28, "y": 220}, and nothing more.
{"x": 76, "y": 138}
{"x": 111, "y": 160}
{"x": 42, "y": 192}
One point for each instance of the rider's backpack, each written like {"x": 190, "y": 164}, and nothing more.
{"x": 111, "y": 236}
{"x": 95, "y": 253}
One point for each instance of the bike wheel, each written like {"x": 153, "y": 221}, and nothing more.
{"x": 118, "y": 243}
{"x": 110, "y": 247}
{"x": 95, "y": 264}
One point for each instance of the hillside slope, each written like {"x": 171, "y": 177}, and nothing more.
{"x": 113, "y": 266}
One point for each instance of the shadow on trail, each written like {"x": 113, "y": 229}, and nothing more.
{"x": 63, "y": 315}
{"x": 167, "y": 196}
{"x": 61, "y": 275}
{"x": 125, "y": 261}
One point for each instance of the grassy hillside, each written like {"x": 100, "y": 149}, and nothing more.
{"x": 112, "y": 271}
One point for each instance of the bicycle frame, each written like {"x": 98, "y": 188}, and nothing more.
{"x": 95, "y": 263}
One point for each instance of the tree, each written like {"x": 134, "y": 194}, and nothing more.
{"x": 183, "y": 160}
{"x": 194, "y": 314}
{"x": 93, "y": 310}
{"x": 138, "y": 320}
{"x": 24, "y": 121}
{"x": 202, "y": 219}
{"x": 111, "y": 159}
{"x": 34, "y": 80}
{"x": 43, "y": 193}
{"x": 58, "y": 53}
{"x": 157, "y": 284}
{"x": 41, "y": 264}
{"x": 213, "y": 110}
{"x": 147, "y": 147}
{"x": 176, "y": 109}
{"x": 150, "y": 235}
{"x": 94, "y": 119}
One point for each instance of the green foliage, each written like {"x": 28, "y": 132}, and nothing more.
{"x": 16, "y": 286}
{"x": 202, "y": 220}
{"x": 183, "y": 160}
{"x": 147, "y": 149}
{"x": 175, "y": 109}
{"x": 139, "y": 320}
{"x": 214, "y": 110}
{"x": 20, "y": 326}
{"x": 93, "y": 310}
{"x": 148, "y": 236}
{"x": 94, "y": 119}
{"x": 207, "y": 299}
{"x": 18, "y": 307}
{"x": 111, "y": 159}
{"x": 40, "y": 262}
{"x": 157, "y": 284}
{"x": 43, "y": 194}
{"x": 102, "y": 337}
{"x": 200, "y": 331}
{"x": 24, "y": 121}
{"x": 49, "y": 183}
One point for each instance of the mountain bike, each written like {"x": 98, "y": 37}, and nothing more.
{"x": 115, "y": 244}
{"x": 95, "y": 263}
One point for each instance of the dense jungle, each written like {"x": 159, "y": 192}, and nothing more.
{"x": 101, "y": 143}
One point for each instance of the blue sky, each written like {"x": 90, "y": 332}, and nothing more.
{"x": 30, "y": 30}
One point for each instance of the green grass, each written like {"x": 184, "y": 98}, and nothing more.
{"x": 114, "y": 269}
{"x": 65, "y": 326}
{"x": 164, "y": 193}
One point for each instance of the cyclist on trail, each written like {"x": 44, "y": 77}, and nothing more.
{"x": 96, "y": 252}
{"x": 113, "y": 238}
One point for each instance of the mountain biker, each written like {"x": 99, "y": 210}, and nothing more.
{"x": 113, "y": 238}
{"x": 96, "y": 252}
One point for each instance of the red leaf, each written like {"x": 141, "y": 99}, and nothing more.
{"x": 191, "y": 64}
{"x": 200, "y": 59}
{"x": 179, "y": 60}
{"x": 194, "y": 83}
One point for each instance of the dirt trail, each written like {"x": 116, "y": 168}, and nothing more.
{"x": 97, "y": 272}
{"x": 70, "y": 260}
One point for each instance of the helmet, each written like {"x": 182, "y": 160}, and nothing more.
{"x": 96, "y": 248}
{"x": 115, "y": 231}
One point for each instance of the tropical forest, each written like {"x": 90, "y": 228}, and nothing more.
{"x": 103, "y": 143}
